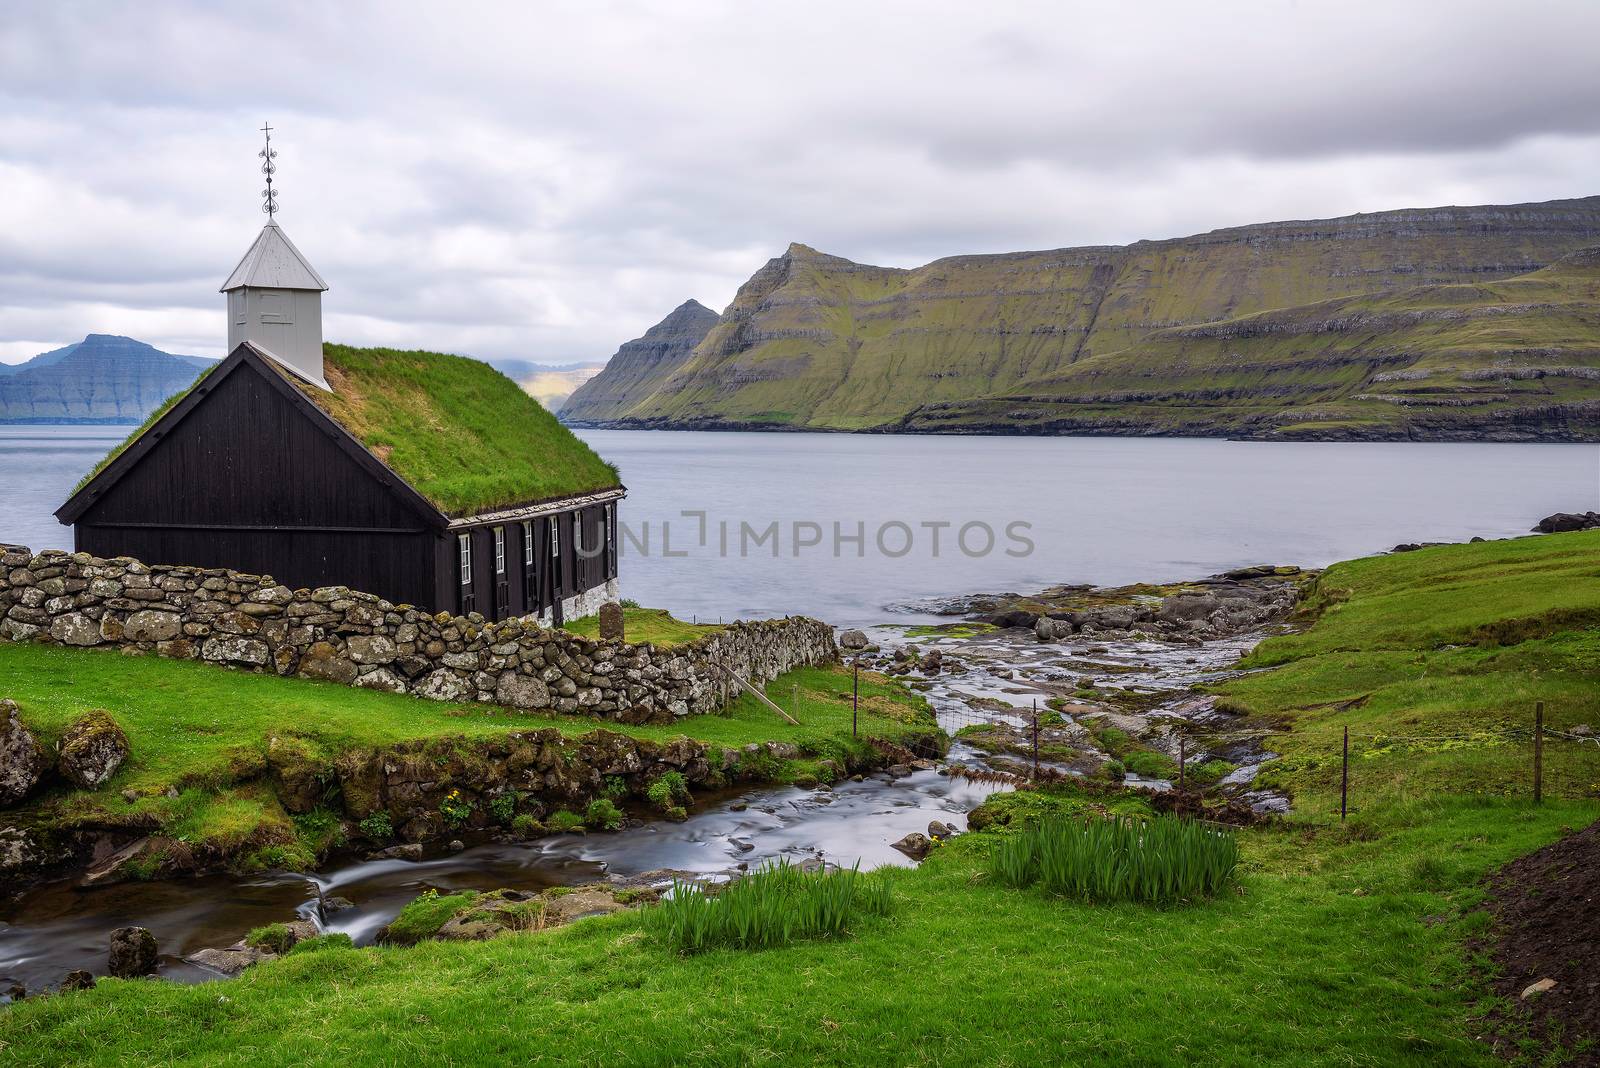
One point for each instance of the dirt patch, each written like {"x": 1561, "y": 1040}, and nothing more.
{"x": 1546, "y": 908}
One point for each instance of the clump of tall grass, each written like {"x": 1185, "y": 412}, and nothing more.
{"x": 1155, "y": 862}
{"x": 776, "y": 905}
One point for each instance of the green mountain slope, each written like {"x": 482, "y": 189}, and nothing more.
{"x": 1511, "y": 360}
{"x": 1004, "y": 342}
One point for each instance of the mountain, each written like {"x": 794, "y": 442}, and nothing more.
{"x": 549, "y": 384}
{"x": 639, "y": 364}
{"x": 101, "y": 379}
{"x": 1286, "y": 329}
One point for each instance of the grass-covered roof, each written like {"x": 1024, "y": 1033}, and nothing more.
{"x": 461, "y": 433}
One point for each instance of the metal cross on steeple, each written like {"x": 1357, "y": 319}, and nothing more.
{"x": 269, "y": 196}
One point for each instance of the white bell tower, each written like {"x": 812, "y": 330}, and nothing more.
{"x": 275, "y": 295}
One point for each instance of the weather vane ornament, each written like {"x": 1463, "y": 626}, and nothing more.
{"x": 269, "y": 196}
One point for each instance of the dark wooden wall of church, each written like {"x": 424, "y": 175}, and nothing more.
{"x": 245, "y": 481}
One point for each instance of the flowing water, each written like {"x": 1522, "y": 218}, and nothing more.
{"x": 1105, "y": 511}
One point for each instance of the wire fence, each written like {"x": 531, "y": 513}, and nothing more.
{"x": 1529, "y": 759}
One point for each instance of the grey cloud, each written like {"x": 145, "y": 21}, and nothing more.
{"x": 544, "y": 182}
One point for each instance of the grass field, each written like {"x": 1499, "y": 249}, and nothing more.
{"x": 654, "y": 625}
{"x": 1431, "y": 658}
{"x": 1341, "y": 944}
{"x": 208, "y": 732}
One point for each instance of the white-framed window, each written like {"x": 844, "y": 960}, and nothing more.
{"x": 464, "y": 543}
{"x": 555, "y": 537}
{"x": 527, "y": 543}
{"x": 499, "y": 550}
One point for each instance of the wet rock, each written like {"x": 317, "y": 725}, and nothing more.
{"x": 409, "y": 851}
{"x": 14, "y": 992}
{"x": 334, "y": 903}
{"x": 92, "y": 750}
{"x": 456, "y": 845}
{"x": 1050, "y": 629}
{"x": 853, "y": 639}
{"x": 77, "y": 980}
{"x": 23, "y": 762}
{"x": 230, "y": 961}
{"x": 738, "y": 806}
{"x": 1564, "y": 522}
{"x": 898, "y": 771}
{"x": 915, "y": 845}
{"x": 1015, "y": 617}
{"x": 133, "y": 953}
{"x": 939, "y": 831}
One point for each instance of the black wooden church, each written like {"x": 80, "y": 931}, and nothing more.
{"x": 427, "y": 479}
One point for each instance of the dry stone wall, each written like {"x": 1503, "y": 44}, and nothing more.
{"x": 256, "y": 624}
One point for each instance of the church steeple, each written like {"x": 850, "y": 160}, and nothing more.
{"x": 274, "y": 294}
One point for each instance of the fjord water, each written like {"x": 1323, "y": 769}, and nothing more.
{"x": 1099, "y": 510}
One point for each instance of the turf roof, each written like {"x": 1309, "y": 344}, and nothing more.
{"x": 461, "y": 433}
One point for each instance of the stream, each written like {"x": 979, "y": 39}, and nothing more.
{"x": 55, "y": 928}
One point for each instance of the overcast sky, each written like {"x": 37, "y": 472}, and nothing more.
{"x": 545, "y": 181}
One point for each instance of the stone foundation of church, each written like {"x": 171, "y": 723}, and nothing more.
{"x": 252, "y": 623}
{"x": 583, "y": 604}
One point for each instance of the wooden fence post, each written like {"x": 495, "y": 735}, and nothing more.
{"x": 855, "y": 694}
{"x": 1344, "y": 777}
{"x": 1538, "y": 752}
{"x": 1036, "y": 738}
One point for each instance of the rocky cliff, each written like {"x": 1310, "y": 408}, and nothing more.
{"x": 1290, "y": 329}
{"x": 101, "y": 379}
{"x": 638, "y": 365}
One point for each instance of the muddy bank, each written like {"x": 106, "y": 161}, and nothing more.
{"x": 1545, "y": 939}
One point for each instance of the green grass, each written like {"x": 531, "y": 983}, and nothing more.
{"x": 1329, "y": 953}
{"x": 425, "y": 914}
{"x": 1337, "y": 944}
{"x": 463, "y": 434}
{"x": 653, "y": 625}
{"x": 1428, "y": 658}
{"x": 776, "y": 905}
{"x": 1109, "y": 859}
{"x": 213, "y": 734}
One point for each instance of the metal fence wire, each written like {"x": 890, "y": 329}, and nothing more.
{"x": 1530, "y": 759}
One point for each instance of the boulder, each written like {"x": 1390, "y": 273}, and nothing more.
{"x": 323, "y": 661}
{"x": 1187, "y": 607}
{"x": 915, "y": 845}
{"x": 853, "y": 639}
{"x": 371, "y": 649}
{"x": 92, "y": 750}
{"x": 521, "y": 691}
{"x": 1564, "y": 522}
{"x": 149, "y": 625}
{"x": 1050, "y": 629}
{"x": 1015, "y": 617}
{"x": 75, "y": 628}
{"x": 939, "y": 831}
{"x": 612, "y": 627}
{"x": 77, "y": 980}
{"x": 133, "y": 953}
{"x": 230, "y": 961}
{"x": 443, "y": 685}
{"x": 22, "y": 762}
